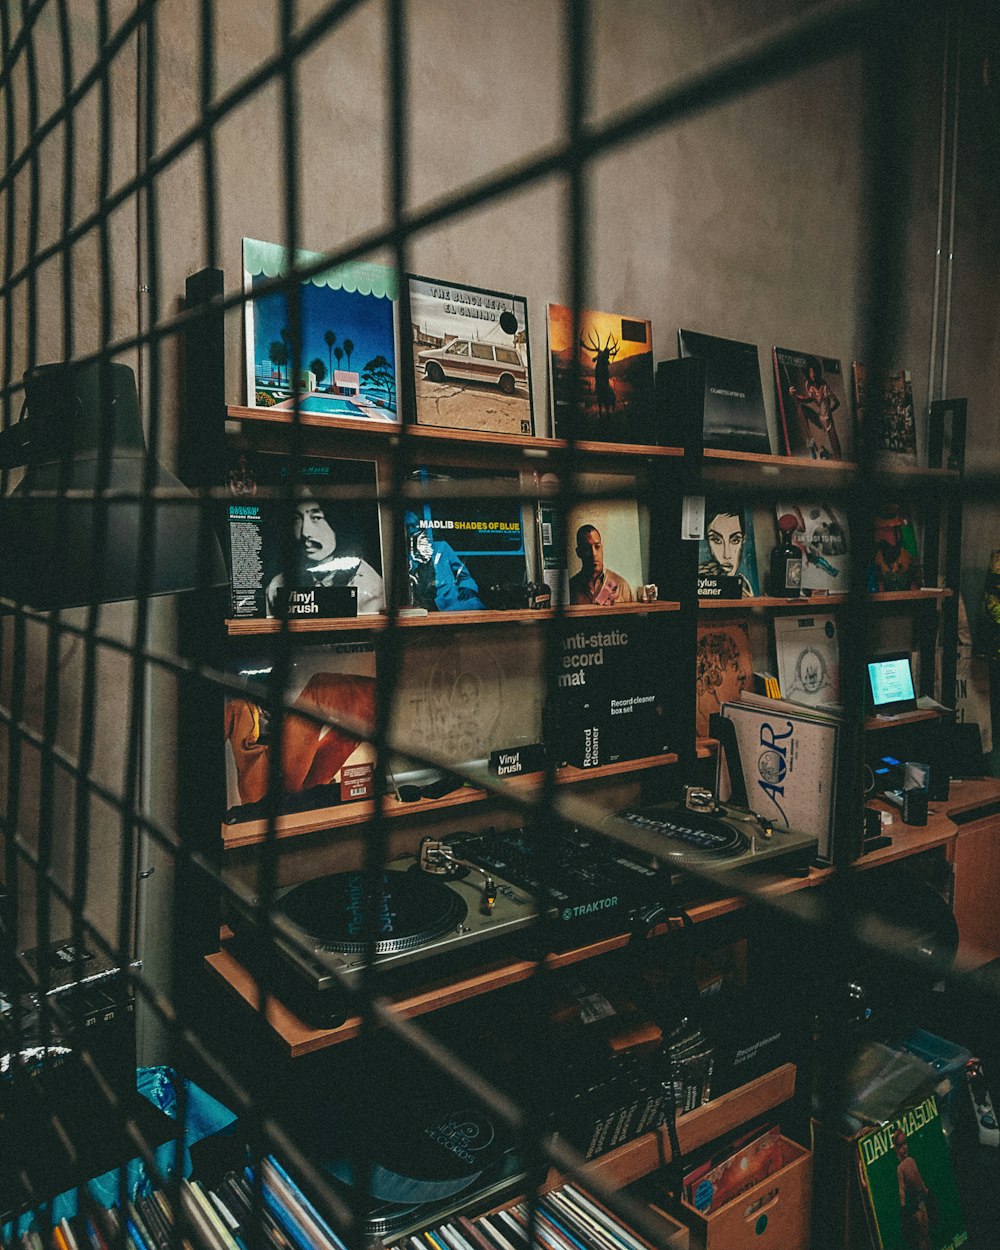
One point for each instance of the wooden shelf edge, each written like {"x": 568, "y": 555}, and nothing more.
{"x": 375, "y": 622}
{"x": 757, "y": 603}
{"x": 528, "y": 444}
{"x": 254, "y": 832}
{"x": 882, "y": 471}
{"x": 696, "y": 1128}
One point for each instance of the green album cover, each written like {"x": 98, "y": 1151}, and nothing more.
{"x": 909, "y": 1184}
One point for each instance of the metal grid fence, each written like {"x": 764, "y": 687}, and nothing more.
{"x": 39, "y": 764}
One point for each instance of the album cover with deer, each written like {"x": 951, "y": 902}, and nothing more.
{"x": 609, "y": 357}
{"x": 734, "y": 416}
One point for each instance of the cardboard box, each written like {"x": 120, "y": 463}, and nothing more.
{"x": 774, "y": 1214}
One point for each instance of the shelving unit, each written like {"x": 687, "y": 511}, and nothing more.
{"x": 818, "y": 603}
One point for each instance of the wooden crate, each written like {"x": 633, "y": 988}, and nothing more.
{"x": 774, "y": 1214}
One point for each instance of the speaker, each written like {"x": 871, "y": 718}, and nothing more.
{"x": 915, "y": 806}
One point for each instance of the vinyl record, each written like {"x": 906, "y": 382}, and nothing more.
{"x": 413, "y": 909}
{"x": 431, "y": 1153}
{"x": 687, "y": 834}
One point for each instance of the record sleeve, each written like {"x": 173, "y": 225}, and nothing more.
{"x": 724, "y": 667}
{"x": 891, "y": 408}
{"x": 727, "y": 554}
{"x": 823, "y": 538}
{"x": 734, "y": 418}
{"x": 815, "y": 418}
{"x": 808, "y": 654}
{"x": 304, "y": 537}
{"x": 321, "y": 764}
{"x": 471, "y": 357}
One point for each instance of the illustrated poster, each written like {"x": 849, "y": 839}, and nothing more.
{"x": 724, "y": 667}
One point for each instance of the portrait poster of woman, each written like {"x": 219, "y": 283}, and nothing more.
{"x": 727, "y": 547}
{"x": 724, "y": 667}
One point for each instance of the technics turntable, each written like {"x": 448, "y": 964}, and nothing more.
{"x": 433, "y": 909}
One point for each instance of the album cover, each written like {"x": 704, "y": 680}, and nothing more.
{"x": 734, "y": 398}
{"x": 316, "y": 552}
{"x": 724, "y": 667}
{"x": 611, "y": 698}
{"x": 789, "y": 767}
{"x": 815, "y": 418}
{"x": 896, "y": 428}
{"x": 808, "y": 654}
{"x": 727, "y": 554}
{"x": 612, "y": 360}
{"x": 347, "y": 357}
{"x": 823, "y": 538}
{"x": 471, "y": 358}
{"x": 464, "y": 539}
{"x": 908, "y": 1183}
{"x": 896, "y": 562}
{"x": 597, "y": 547}
{"x": 321, "y": 765}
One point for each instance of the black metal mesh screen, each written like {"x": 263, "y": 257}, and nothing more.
{"x": 121, "y": 159}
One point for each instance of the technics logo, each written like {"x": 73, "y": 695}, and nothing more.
{"x": 587, "y": 909}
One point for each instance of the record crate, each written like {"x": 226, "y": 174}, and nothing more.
{"x": 774, "y": 1214}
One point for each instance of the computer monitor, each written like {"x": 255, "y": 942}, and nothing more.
{"x": 890, "y": 684}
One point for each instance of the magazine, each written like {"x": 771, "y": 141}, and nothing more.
{"x": 471, "y": 359}
{"x": 464, "y": 540}
{"x": 612, "y": 361}
{"x": 321, "y": 765}
{"x": 896, "y": 428}
{"x": 823, "y": 538}
{"x": 815, "y": 418}
{"x": 908, "y": 1183}
{"x": 727, "y": 554}
{"x": 317, "y": 551}
{"x": 347, "y": 355}
{"x": 734, "y": 417}
{"x": 724, "y": 667}
{"x": 808, "y": 654}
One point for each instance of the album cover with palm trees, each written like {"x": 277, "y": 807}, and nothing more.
{"x": 333, "y": 333}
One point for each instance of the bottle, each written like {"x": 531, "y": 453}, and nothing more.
{"x": 786, "y": 561}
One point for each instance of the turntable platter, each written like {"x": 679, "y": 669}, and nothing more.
{"x": 687, "y": 834}
{"x": 413, "y": 909}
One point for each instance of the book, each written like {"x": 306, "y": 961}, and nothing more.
{"x": 815, "y": 418}
{"x": 471, "y": 357}
{"x": 896, "y": 560}
{"x": 808, "y": 654}
{"x": 346, "y": 354}
{"x": 612, "y": 362}
{"x": 908, "y": 1184}
{"x": 318, "y": 517}
{"x": 464, "y": 538}
{"x": 610, "y": 700}
{"x": 321, "y": 765}
{"x": 727, "y": 554}
{"x": 789, "y": 762}
{"x": 891, "y": 408}
{"x": 824, "y": 540}
{"x": 724, "y": 667}
{"x": 734, "y": 416}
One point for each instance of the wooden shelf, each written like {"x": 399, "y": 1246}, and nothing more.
{"x": 874, "y": 724}
{"x": 376, "y": 622}
{"x": 696, "y": 1128}
{"x": 427, "y": 439}
{"x": 777, "y": 465}
{"x": 813, "y": 603}
{"x": 967, "y": 797}
{"x": 294, "y": 824}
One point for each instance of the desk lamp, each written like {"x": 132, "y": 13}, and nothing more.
{"x": 49, "y": 522}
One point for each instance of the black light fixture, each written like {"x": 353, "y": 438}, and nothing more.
{"x": 49, "y": 523}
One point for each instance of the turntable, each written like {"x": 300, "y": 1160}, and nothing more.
{"x": 433, "y": 911}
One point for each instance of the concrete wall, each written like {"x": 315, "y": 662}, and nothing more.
{"x": 743, "y": 220}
